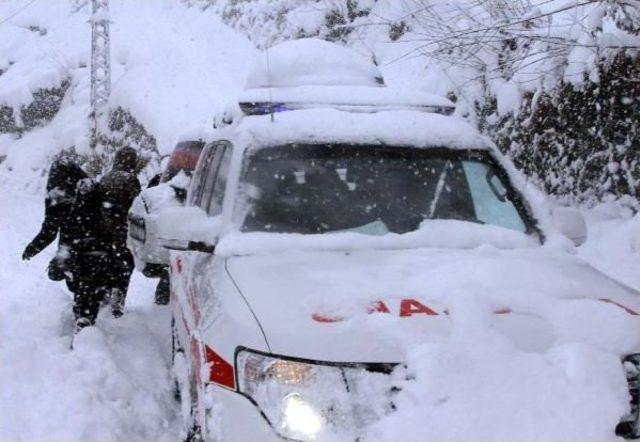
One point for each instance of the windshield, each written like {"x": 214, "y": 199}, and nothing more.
{"x": 312, "y": 189}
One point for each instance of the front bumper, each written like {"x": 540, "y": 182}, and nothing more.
{"x": 240, "y": 419}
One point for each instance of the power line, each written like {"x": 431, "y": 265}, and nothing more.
{"x": 18, "y": 12}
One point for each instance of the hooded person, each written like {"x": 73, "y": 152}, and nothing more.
{"x": 120, "y": 186}
{"x": 73, "y": 214}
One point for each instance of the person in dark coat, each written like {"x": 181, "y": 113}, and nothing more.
{"x": 120, "y": 186}
{"x": 73, "y": 213}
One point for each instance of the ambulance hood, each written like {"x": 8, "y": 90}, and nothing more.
{"x": 371, "y": 305}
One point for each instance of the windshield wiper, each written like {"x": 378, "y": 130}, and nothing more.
{"x": 439, "y": 187}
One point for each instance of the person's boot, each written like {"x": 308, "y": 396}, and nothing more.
{"x": 82, "y": 323}
{"x": 117, "y": 303}
{"x": 163, "y": 290}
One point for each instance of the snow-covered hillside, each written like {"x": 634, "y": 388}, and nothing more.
{"x": 173, "y": 68}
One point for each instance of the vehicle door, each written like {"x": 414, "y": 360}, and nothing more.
{"x": 193, "y": 273}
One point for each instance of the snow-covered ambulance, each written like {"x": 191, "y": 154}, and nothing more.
{"x": 332, "y": 223}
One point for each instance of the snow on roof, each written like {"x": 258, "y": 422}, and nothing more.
{"x": 401, "y": 127}
{"x": 361, "y": 96}
{"x": 310, "y": 61}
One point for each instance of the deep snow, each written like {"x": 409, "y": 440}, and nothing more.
{"x": 116, "y": 384}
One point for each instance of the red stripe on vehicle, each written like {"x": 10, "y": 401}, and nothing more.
{"x": 624, "y": 307}
{"x": 221, "y": 371}
{"x": 323, "y": 318}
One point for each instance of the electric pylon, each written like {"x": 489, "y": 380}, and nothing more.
{"x": 100, "y": 64}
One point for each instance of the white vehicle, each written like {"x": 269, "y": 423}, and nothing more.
{"x": 150, "y": 257}
{"x": 304, "y": 226}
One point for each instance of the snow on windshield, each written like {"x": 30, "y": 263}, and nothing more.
{"x": 372, "y": 190}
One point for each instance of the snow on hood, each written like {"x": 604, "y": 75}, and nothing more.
{"x": 539, "y": 295}
{"x": 310, "y": 61}
{"x": 409, "y": 128}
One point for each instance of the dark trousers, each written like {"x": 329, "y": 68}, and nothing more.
{"x": 121, "y": 270}
{"x": 163, "y": 289}
{"x": 86, "y": 299}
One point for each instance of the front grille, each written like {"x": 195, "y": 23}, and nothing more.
{"x": 629, "y": 427}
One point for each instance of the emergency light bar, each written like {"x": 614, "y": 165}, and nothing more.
{"x": 273, "y": 108}
{"x": 365, "y": 99}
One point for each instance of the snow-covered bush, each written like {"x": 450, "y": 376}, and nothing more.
{"x": 552, "y": 82}
{"x": 580, "y": 142}
{"x": 45, "y": 105}
{"x": 125, "y": 130}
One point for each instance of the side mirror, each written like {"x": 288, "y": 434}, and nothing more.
{"x": 180, "y": 193}
{"x": 571, "y": 224}
{"x": 188, "y": 228}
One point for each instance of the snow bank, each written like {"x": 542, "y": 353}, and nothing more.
{"x": 176, "y": 66}
{"x": 42, "y": 45}
{"x": 613, "y": 244}
{"x": 310, "y": 61}
{"x": 114, "y": 386}
{"x": 466, "y": 388}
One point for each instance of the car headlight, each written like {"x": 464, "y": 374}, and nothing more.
{"x": 137, "y": 228}
{"x": 307, "y": 400}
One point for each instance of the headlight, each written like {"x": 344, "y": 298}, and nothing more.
{"x": 306, "y": 400}
{"x": 137, "y": 228}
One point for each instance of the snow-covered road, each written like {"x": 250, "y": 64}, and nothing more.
{"x": 115, "y": 384}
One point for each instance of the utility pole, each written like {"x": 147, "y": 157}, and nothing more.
{"x": 100, "y": 66}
